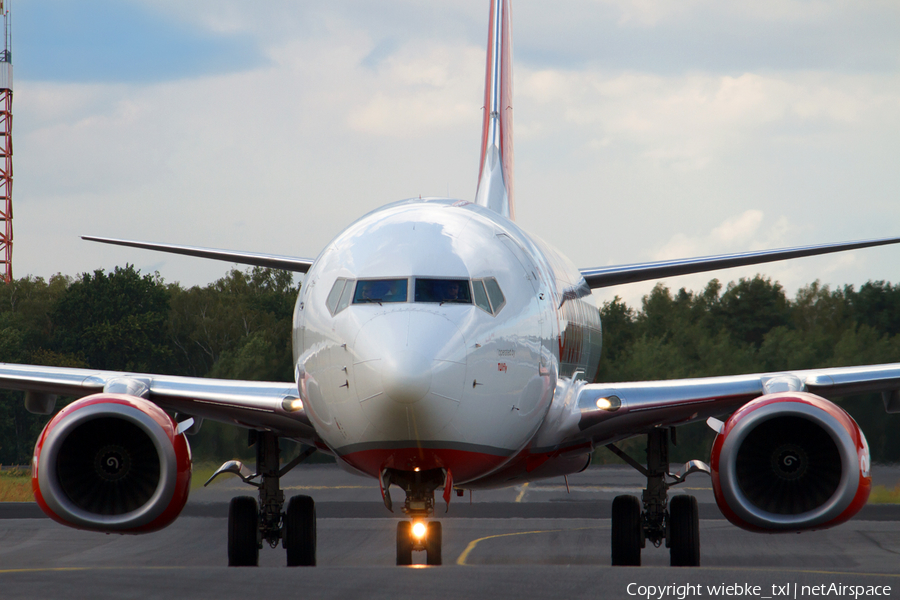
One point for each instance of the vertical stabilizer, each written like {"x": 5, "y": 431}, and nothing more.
{"x": 495, "y": 181}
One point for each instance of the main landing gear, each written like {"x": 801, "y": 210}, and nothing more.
{"x": 250, "y": 523}
{"x": 416, "y": 535}
{"x": 677, "y": 522}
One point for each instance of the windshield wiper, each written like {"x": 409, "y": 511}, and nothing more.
{"x": 378, "y": 300}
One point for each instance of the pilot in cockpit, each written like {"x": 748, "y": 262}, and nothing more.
{"x": 449, "y": 291}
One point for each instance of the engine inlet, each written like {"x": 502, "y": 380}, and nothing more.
{"x": 788, "y": 465}
{"x": 108, "y": 466}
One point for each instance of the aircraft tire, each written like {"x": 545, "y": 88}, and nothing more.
{"x": 243, "y": 532}
{"x": 684, "y": 531}
{"x": 404, "y": 543}
{"x": 299, "y": 536}
{"x": 626, "y": 531}
{"x": 433, "y": 540}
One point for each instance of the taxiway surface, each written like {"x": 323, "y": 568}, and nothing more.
{"x": 534, "y": 541}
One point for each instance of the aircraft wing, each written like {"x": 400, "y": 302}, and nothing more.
{"x": 255, "y": 404}
{"x": 636, "y": 407}
{"x": 257, "y": 259}
{"x": 615, "y": 275}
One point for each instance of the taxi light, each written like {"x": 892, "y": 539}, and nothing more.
{"x": 609, "y": 403}
{"x": 292, "y": 404}
{"x": 418, "y": 530}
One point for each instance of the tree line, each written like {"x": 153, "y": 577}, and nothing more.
{"x": 751, "y": 326}
{"x": 240, "y": 327}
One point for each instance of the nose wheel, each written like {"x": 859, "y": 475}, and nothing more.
{"x": 419, "y": 536}
{"x": 404, "y": 543}
{"x": 433, "y": 543}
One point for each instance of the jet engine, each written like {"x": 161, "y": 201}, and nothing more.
{"x": 790, "y": 462}
{"x": 112, "y": 463}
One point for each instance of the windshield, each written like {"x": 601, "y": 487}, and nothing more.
{"x": 443, "y": 290}
{"x": 380, "y": 291}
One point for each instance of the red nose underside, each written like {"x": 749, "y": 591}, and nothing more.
{"x": 465, "y": 465}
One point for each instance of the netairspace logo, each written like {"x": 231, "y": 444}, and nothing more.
{"x": 690, "y": 590}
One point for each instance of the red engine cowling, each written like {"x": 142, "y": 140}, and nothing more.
{"x": 112, "y": 463}
{"x": 788, "y": 462}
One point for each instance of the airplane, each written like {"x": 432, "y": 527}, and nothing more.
{"x": 439, "y": 348}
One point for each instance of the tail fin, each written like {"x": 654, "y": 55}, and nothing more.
{"x": 495, "y": 182}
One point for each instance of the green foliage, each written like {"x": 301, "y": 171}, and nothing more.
{"x": 753, "y": 327}
{"x": 25, "y": 331}
{"x": 236, "y": 327}
{"x": 114, "y": 321}
{"x": 240, "y": 327}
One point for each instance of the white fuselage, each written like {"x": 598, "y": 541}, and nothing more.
{"x": 405, "y": 380}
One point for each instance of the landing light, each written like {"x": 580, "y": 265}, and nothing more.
{"x": 418, "y": 530}
{"x": 610, "y": 403}
{"x": 292, "y": 404}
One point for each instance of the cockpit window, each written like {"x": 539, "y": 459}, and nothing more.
{"x": 335, "y": 294}
{"x": 443, "y": 290}
{"x": 481, "y": 299}
{"x": 347, "y": 294}
{"x": 380, "y": 291}
{"x": 494, "y": 293}
{"x": 488, "y": 296}
{"x": 340, "y": 294}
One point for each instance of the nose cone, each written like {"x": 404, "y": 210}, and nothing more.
{"x": 406, "y": 375}
{"x": 409, "y": 369}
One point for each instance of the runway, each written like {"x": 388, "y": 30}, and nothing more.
{"x": 530, "y": 541}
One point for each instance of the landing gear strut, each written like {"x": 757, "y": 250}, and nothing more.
{"x": 417, "y": 535}
{"x": 653, "y": 518}
{"x": 251, "y": 523}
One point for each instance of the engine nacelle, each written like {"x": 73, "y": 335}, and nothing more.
{"x": 790, "y": 461}
{"x": 112, "y": 463}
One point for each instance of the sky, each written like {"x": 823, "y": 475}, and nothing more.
{"x": 644, "y": 129}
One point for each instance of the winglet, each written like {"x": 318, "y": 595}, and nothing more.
{"x": 495, "y": 181}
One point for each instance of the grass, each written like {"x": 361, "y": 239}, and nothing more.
{"x": 15, "y": 486}
{"x": 882, "y": 495}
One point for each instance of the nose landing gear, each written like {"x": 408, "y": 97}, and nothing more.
{"x": 417, "y": 535}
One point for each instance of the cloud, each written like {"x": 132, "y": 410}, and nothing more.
{"x": 628, "y": 148}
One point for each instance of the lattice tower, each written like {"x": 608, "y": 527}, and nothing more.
{"x": 6, "y": 150}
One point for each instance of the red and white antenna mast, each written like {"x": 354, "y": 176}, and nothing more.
{"x": 6, "y": 149}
